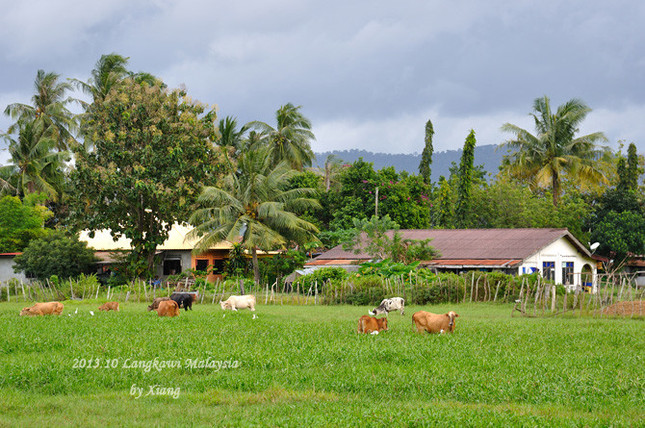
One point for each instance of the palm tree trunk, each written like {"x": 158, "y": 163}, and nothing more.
{"x": 555, "y": 184}
{"x": 256, "y": 265}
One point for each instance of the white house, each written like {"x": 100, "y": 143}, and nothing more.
{"x": 555, "y": 253}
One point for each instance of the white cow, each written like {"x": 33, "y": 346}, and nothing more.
{"x": 389, "y": 305}
{"x": 239, "y": 302}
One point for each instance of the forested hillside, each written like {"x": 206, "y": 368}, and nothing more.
{"x": 441, "y": 161}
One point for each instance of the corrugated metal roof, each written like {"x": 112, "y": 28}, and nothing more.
{"x": 497, "y": 263}
{"x": 475, "y": 244}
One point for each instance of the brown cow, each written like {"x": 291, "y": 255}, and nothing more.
{"x": 109, "y": 306}
{"x": 40, "y": 309}
{"x": 368, "y": 324}
{"x": 155, "y": 303}
{"x": 168, "y": 308}
{"x": 434, "y": 323}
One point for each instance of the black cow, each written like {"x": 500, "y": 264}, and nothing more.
{"x": 185, "y": 300}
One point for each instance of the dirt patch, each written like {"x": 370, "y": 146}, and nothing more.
{"x": 635, "y": 308}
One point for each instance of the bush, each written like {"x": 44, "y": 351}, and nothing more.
{"x": 320, "y": 277}
{"x": 55, "y": 254}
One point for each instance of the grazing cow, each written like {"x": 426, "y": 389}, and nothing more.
{"x": 239, "y": 302}
{"x": 184, "y": 300}
{"x": 155, "y": 303}
{"x": 168, "y": 308}
{"x": 367, "y": 324}
{"x": 434, "y": 323}
{"x": 389, "y": 305}
{"x": 109, "y": 306}
{"x": 40, "y": 309}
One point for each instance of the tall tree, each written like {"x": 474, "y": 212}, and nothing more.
{"x": 465, "y": 181}
{"x": 426, "y": 155}
{"x": 290, "y": 140}
{"x": 253, "y": 207}
{"x": 152, "y": 150}
{"x": 230, "y": 136}
{"x": 34, "y": 166}
{"x": 108, "y": 71}
{"x": 629, "y": 170}
{"x": 48, "y": 107}
{"x": 554, "y": 153}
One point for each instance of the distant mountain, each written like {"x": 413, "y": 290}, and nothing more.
{"x": 441, "y": 161}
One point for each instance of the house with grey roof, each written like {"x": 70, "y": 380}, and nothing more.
{"x": 555, "y": 253}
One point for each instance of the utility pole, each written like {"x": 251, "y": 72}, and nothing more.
{"x": 376, "y": 203}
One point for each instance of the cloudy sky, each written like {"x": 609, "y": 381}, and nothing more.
{"x": 368, "y": 73}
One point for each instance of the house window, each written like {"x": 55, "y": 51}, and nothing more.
{"x": 201, "y": 265}
{"x": 171, "y": 266}
{"x": 218, "y": 266}
{"x": 567, "y": 273}
{"x": 548, "y": 270}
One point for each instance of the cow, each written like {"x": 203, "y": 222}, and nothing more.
{"x": 367, "y": 324}
{"x": 168, "y": 308}
{"x": 155, "y": 303}
{"x": 40, "y": 309}
{"x": 434, "y": 323}
{"x": 109, "y": 306}
{"x": 184, "y": 300}
{"x": 239, "y": 302}
{"x": 389, "y": 305}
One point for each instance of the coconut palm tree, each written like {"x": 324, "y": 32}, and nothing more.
{"x": 252, "y": 207}
{"x": 108, "y": 71}
{"x": 48, "y": 106}
{"x": 34, "y": 165}
{"x": 290, "y": 140}
{"x": 230, "y": 136}
{"x": 554, "y": 153}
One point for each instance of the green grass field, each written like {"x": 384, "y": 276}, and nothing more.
{"x": 300, "y": 366}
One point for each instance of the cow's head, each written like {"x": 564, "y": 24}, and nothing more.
{"x": 452, "y": 315}
{"x": 377, "y": 311}
{"x": 25, "y": 311}
{"x": 382, "y": 324}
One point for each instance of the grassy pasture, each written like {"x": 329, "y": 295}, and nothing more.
{"x": 307, "y": 366}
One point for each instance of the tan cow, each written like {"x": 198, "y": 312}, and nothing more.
{"x": 109, "y": 306}
{"x": 368, "y": 324}
{"x": 155, "y": 303}
{"x": 434, "y": 323}
{"x": 168, "y": 308}
{"x": 40, "y": 309}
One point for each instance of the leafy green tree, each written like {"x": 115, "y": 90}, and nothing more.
{"x": 34, "y": 165}
{"x": 445, "y": 206}
{"x": 554, "y": 153}
{"x": 55, "y": 254}
{"x": 48, "y": 109}
{"x": 152, "y": 150}
{"x": 108, "y": 72}
{"x": 333, "y": 165}
{"x": 620, "y": 234}
{"x": 381, "y": 239}
{"x": 426, "y": 155}
{"x": 629, "y": 170}
{"x": 465, "y": 181}
{"x": 230, "y": 136}
{"x": 253, "y": 206}
{"x": 21, "y": 221}
{"x": 290, "y": 140}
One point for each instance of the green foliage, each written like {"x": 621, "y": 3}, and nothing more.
{"x": 151, "y": 153}
{"x": 55, "y": 254}
{"x": 21, "y": 221}
{"x": 620, "y": 234}
{"x": 445, "y": 207}
{"x": 320, "y": 277}
{"x": 554, "y": 154}
{"x": 465, "y": 182}
{"x": 426, "y": 155}
{"x": 629, "y": 170}
{"x": 380, "y": 238}
{"x": 282, "y": 264}
{"x": 254, "y": 205}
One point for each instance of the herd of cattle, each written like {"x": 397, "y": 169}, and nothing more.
{"x": 369, "y": 324}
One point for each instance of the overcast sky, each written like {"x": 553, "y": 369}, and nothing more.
{"x": 367, "y": 73}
